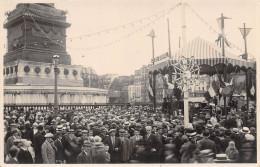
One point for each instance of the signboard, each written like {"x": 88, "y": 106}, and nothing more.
{"x": 161, "y": 57}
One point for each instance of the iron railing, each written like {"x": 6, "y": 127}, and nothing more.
{"x": 68, "y": 106}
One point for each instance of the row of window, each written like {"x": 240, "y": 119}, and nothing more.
{"x": 10, "y": 70}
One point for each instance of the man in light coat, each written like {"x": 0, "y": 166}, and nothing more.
{"x": 125, "y": 146}
{"x": 48, "y": 150}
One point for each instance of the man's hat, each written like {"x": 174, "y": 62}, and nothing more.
{"x": 63, "y": 121}
{"x": 59, "y": 128}
{"x": 53, "y": 122}
{"x": 209, "y": 126}
{"x": 87, "y": 143}
{"x": 71, "y": 131}
{"x": 191, "y": 135}
{"x": 7, "y": 117}
{"x": 17, "y": 141}
{"x": 222, "y": 128}
{"x": 13, "y": 124}
{"x": 85, "y": 131}
{"x": 112, "y": 130}
{"x": 121, "y": 130}
{"x": 206, "y": 153}
{"x": 103, "y": 129}
{"x": 249, "y": 137}
{"x": 48, "y": 135}
{"x": 235, "y": 130}
{"x": 138, "y": 125}
{"x": 245, "y": 130}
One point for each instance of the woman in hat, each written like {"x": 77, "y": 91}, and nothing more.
{"x": 231, "y": 151}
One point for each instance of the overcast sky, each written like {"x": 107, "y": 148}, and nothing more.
{"x": 127, "y": 55}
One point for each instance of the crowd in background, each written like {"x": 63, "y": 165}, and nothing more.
{"x": 128, "y": 135}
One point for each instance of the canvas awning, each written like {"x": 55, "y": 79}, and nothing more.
{"x": 207, "y": 55}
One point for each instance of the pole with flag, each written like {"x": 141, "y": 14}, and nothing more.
{"x": 245, "y": 31}
{"x": 221, "y": 24}
{"x": 152, "y": 35}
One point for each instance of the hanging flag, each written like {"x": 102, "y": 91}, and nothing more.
{"x": 252, "y": 90}
{"x": 151, "y": 34}
{"x": 150, "y": 87}
{"x": 218, "y": 41}
{"x": 165, "y": 82}
{"x": 221, "y": 82}
{"x": 207, "y": 96}
{"x": 211, "y": 91}
{"x": 214, "y": 86}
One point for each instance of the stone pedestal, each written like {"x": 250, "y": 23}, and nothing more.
{"x": 42, "y": 95}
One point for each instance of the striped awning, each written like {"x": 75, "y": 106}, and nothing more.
{"x": 204, "y": 53}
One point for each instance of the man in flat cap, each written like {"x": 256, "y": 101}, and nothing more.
{"x": 48, "y": 150}
{"x": 85, "y": 157}
{"x": 10, "y": 140}
{"x": 114, "y": 146}
{"x": 125, "y": 146}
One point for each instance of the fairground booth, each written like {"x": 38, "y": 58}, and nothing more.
{"x": 204, "y": 75}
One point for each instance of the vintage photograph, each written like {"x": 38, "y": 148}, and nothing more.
{"x": 129, "y": 82}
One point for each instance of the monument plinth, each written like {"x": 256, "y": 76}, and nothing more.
{"x": 36, "y": 32}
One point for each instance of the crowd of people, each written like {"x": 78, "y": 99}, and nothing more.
{"x": 128, "y": 135}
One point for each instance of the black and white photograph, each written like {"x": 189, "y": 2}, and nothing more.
{"x": 162, "y": 82}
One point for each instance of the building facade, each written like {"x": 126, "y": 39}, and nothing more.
{"x": 90, "y": 77}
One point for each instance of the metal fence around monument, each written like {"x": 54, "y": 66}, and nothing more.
{"x": 69, "y": 106}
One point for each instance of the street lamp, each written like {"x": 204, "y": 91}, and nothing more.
{"x": 55, "y": 60}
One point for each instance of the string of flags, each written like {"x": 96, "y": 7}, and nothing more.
{"x": 124, "y": 26}
{"x": 152, "y": 18}
{"x": 112, "y": 42}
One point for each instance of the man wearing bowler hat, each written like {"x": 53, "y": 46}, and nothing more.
{"x": 114, "y": 146}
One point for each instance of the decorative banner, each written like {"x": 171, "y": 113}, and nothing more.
{"x": 161, "y": 57}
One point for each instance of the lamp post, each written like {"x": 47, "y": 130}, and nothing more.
{"x": 55, "y": 59}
